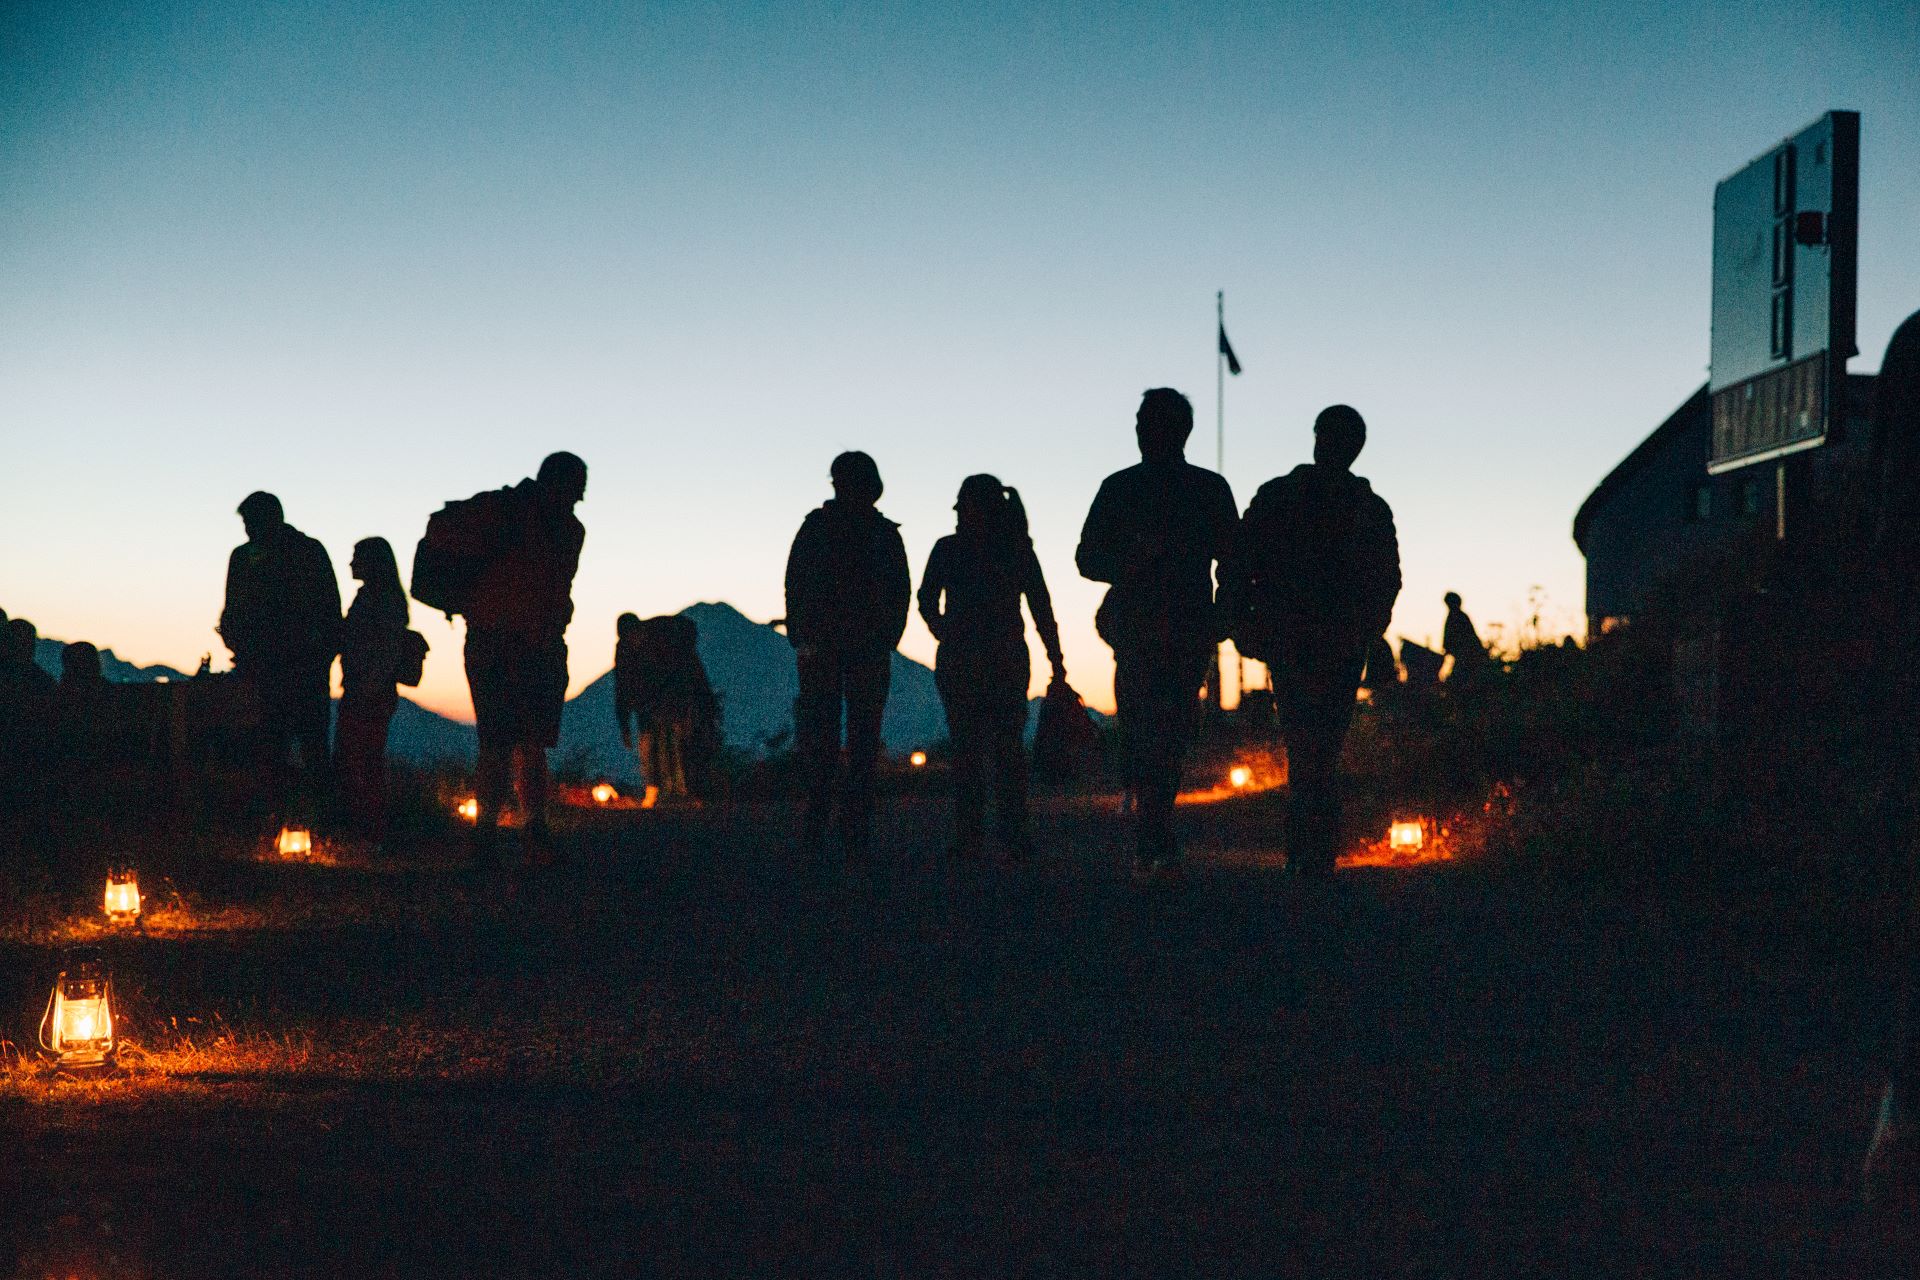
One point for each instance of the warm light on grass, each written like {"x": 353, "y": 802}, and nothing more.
{"x": 295, "y": 842}
{"x": 603, "y": 793}
{"x": 1407, "y": 836}
{"x": 123, "y": 896}
{"x": 1240, "y": 775}
{"x": 468, "y": 809}
{"x": 77, "y": 1028}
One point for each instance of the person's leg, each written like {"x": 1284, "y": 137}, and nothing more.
{"x": 1009, "y": 761}
{"x": 816, "y": 723}
{"x": 312, "y": 709}
{"x": 493, "y": 726}
{"x": 866, "y": 680}
{"x": 1133, "y": 708}
{"x": 1170, "y": 695}
{"x": 352, "y": 745}
{"x": 969, "y": 784}
{"x": 534, "y": 785}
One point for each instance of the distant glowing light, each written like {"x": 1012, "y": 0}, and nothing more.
{"x": 651, "y": 797}
{"x": 1407, "y": 836}
{"x": 1240, "y": 775}
{"x": 295, "y": 842}
{"x": 77, "y": 1028}
{"x": 603, "y": 793}
{"x": 918, "y": 759}
{"x": 469, "y": 809}
{"x": 123, "y": 896}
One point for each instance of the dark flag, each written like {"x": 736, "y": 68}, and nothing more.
{"x": 1226, "y": 349}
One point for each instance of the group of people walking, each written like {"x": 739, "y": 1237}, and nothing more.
{"x": 1305, "y": 582}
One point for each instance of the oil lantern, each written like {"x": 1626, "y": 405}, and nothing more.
{"x": 603, "y": 793}
{"x": 123, "y": 895}
{"x": 468, "y": 809}
{"x": 77, "y": 1028}
{"x": 1240, "y": 775}
{"x": 295, "y": 842}
{"x": 918, "y": 759}
{"x": 1407, "y": 836}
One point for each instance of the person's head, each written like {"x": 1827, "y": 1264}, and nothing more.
{"x": 1451, "y": 600}
{"x": 21, "y": 638}
{"x": 263, "y": 516}
{"x": 563, "y": 479}
{"x": 373, "y": 563}
{"x": 1163, "y": 423}
{"x": 79, "y": 664}
{"x": 626, "y": 626}
{"x": 856, "y": 479}
{"x": 987, "y": 508}
{"x": 1339, "y": 433}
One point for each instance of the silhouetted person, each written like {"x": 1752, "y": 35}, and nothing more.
{"x": 970, "y": 599}
{"x": 26, "y": 712}
{"x": 1892, "y": 1171}
{"x": 663, "y": 700}
{"x": 1459, "y": 641}
{"x": 282, "y": 625}
{"x": 1383, "y": 669}
{"x": 847, "y": 599}
{"x": 372, "y": 648}
{"x": 1310, "y": 585}
{"x": 81, "y": 716}
{"x": 1153, "y": 533}
{"x": 517, "y": 611}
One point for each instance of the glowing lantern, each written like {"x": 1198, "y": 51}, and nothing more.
{"x": 918, "y": 759}
{"x": 77, "y": 1028}
{"x": 603, "y": 793}
{"x": 295, "y": 842}
{"x": 468, "y": 809}
{"x": 1240, "y": 775}
{"x": 123, "y": 895}
{"x": 1409, "y": 837}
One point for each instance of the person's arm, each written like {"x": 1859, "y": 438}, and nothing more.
{"x": 933, "y": 582}
{"x": 623, "y": 710}
{"x": 899, "y": 586}
{"x": 1040, "y": 605}
{"x": 802, "y": 585}
{"x": 1100, "y": 555}
{"x": 1386, "y": 558}
{"x": 324, "y": 590}
{"x": 232, "y": 627}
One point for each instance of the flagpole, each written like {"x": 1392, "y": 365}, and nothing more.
{"x": 1219, "y": 384}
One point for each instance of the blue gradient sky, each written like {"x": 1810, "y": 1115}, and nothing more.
{"x": 372, "y": 261}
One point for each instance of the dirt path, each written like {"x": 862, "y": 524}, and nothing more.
{"x": 685, "y": 1054}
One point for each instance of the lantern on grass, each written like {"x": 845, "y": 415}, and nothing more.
{"x": 123, "y": 895}
{"x": 1407, "y": 836}
{"x": 603, "y": 793}
{"x": 1240, "y": 775}
{"x": 295, "y": 842}
{"x": 918, "y": 759}
{"x": 77, "y": 1028}
{"x": 468, "y": 809}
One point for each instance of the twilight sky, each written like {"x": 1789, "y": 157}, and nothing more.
{"x": 373, "y": 260}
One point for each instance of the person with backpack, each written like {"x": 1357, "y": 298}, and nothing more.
{"x": 1309, "y": 585}
{"x": 663, "y": 703}
{"x": 848, "y": 590}
{"x": 506, "y": 560}
{"x": 1154, "y": 532}
{"x": 970, "y": 599}
{"x": 281, "y": 622}
{"x": 375, "y": 649}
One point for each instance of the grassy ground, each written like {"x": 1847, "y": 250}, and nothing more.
{"x": 684, "y": 1053}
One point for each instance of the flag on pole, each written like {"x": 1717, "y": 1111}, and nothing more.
{"x": 1226, "y": 349}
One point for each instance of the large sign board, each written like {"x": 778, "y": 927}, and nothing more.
{"x": 1785, "y": 237}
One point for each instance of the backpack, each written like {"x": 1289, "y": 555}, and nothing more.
{"x": 1066, "y": 746}
{"x": 461, "y": 537}
{"x": 413, "y": 659}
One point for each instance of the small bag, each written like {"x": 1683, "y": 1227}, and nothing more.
{"x": 413, "y": 659}
{"x": 1065, "y": 743}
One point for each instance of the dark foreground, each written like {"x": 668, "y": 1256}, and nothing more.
{"x": 684, "y": 1054}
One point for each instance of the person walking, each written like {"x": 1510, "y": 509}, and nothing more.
{"x": 281, "y": 622}
{"x": 1153, "y": 533}
{"x": 1308, "y": 587}
{"x": 517, "y": 606}
{"x": 848, "y": 592}
{"x": 373, "y": 648}
{"x": 970, "y": 600}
